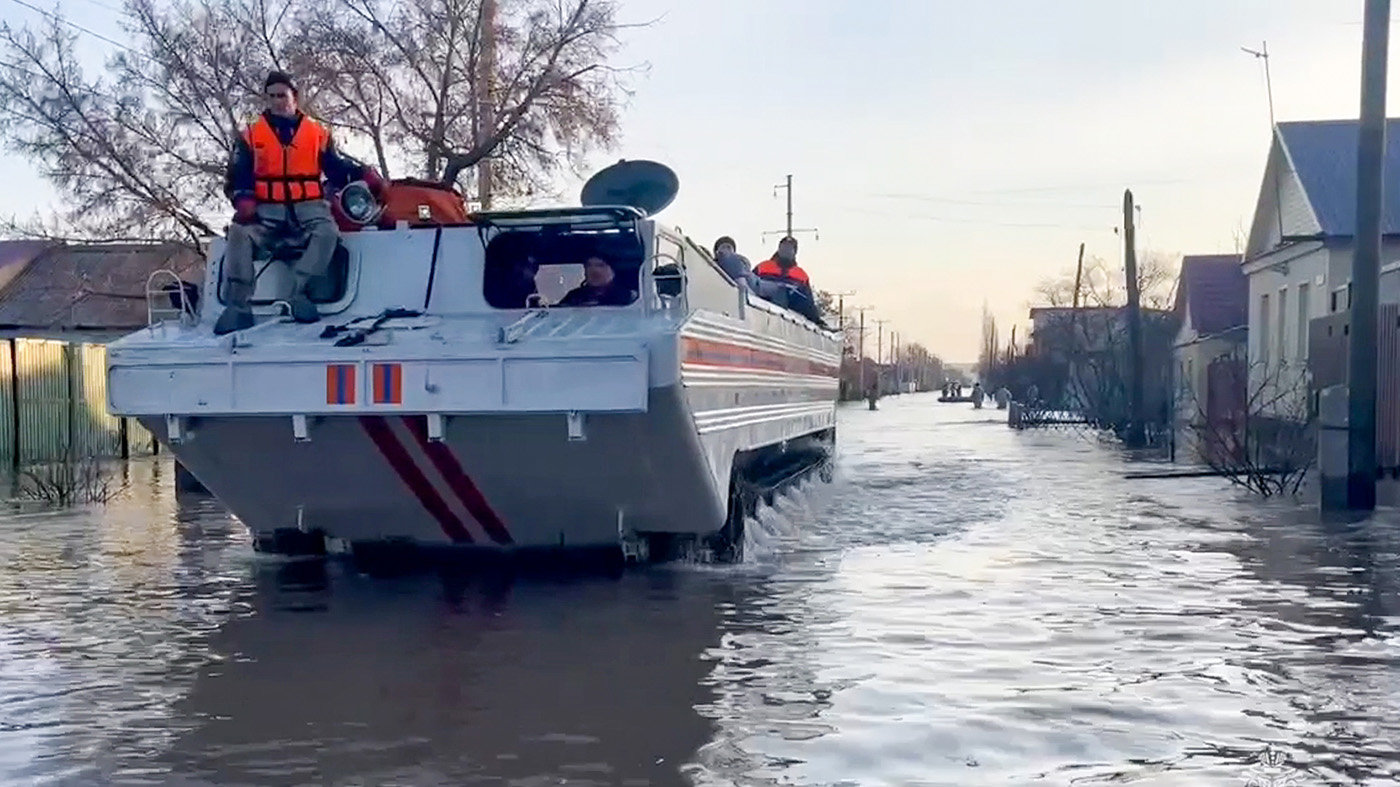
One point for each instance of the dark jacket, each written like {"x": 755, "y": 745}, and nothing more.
{"x": 336, "y": 167}
{"x": 612, "y": 295}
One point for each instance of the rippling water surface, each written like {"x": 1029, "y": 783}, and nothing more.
{"x": 966, "y": 605}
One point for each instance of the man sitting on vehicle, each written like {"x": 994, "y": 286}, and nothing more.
{"x": 789, "y": 284}
{"x": 732, "y": 262}
{"x": 600, "y": 287}
{"x": 274, "y": 182}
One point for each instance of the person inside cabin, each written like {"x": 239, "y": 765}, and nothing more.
{"x": 512, "y": 287}
{"x": 782, "y": 269}
{"x": 600, "y": 286}
{"x": 732, "y": 262}
{"x": 274, "y": 180}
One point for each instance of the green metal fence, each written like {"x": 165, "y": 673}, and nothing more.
{"x": 53, "y": 403}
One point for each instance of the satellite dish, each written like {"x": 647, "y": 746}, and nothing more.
{"x": 648, "y": 186}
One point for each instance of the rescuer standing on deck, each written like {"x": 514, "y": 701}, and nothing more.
{"x": 274, "y": 181}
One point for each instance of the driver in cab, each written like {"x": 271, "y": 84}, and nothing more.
{"x": 600, "y": 287}
{"x": 782, "y": 269}
{"x": 274, "y": 180}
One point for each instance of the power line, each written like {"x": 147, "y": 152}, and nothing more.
{"x": 995, "y": 204}
{"x": 76, "y": 26}
{"x": 983, "y": 222}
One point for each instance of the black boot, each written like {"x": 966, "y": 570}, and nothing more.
{"x": 303, "y": 310}
{"x": 233, "y": 319}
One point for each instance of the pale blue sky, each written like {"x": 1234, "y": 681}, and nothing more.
{"x": 1010, "y": 128}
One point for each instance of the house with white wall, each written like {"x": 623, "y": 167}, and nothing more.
{"x": 1212, "y": 310}
{"x": 1298, "y": 256}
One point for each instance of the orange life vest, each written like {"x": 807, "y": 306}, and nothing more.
{"x": 287, "y": 173}
{"x": 770, "y": 269}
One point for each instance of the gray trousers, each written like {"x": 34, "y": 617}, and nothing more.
{"x": 314, "y": 226}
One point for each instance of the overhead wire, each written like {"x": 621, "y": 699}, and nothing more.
{"x": 58, "y": 18}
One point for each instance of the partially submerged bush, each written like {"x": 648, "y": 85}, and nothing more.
{"x": 71, "y": 481}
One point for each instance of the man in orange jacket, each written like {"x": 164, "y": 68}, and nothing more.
{"x": 274, "y": 181}
{"x": 782, "y": 267}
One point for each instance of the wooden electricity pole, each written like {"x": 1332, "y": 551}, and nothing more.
{"x": 1366, "y": 261}
{"x": 1135, "y": 437}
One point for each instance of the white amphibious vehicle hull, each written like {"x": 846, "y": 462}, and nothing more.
{"x": 475, "y": 427}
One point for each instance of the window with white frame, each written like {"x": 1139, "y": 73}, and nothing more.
{"x": 1304, "y": 293}
{"x": 1265, "y": 345}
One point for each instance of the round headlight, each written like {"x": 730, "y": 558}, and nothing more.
{"x": 358, "y": 203}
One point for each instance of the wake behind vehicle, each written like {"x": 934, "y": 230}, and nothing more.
{"x": 434, "y": 407}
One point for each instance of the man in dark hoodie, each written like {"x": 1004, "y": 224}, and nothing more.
{"x": 274, "y": 181}
{"x": 732, "y": 262}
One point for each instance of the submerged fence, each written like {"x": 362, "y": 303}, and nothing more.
{"x": 53, "y": 404}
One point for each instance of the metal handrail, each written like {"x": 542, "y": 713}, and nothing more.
{"x": 511, "y": 334}
{"x": 666, "y": 302}
{"x": 155, "y": 315}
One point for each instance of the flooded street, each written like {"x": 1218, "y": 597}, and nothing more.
{"x": 966, "y": 605}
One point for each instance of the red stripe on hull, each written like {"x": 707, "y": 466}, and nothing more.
{"x": 398, "y": 458}
{"x": 461, "y": 483}
{"x": 739, "y": 357}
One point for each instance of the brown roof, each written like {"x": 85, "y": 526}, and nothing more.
{"x": 91, "y": 286}
{"x": 1214, "y": 288}
{"x": 15, "y": 256}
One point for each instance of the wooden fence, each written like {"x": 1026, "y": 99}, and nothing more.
{"x": 53, "y": 404}
{"x": 1328, "y": 353}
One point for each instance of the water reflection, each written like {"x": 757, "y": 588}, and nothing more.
{"x": 330, "y": 678}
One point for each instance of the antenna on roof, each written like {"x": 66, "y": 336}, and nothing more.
{"x": 1263, "y": 54}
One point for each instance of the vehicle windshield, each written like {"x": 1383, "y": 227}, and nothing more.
{"x": 562, "y": 268}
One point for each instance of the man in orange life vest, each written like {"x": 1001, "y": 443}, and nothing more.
{"x": 782, "y": 268}
{"x": 274, "y": 180}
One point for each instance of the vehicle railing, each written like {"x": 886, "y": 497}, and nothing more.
{"x": 510, "y": 334}
{"x": 668, "y": 302}
{"x": 177, "y": 300}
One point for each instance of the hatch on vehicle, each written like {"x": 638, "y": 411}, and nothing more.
{"x": 647, "y": 186}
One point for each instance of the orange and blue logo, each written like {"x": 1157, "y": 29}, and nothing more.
{"x": 388, "y": 383}
{"x": 340, "y": 383}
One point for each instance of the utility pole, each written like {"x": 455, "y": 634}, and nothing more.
{"x": 861, "y": 344}
{"x": 1135, "y": 436}
{"x": 880, "y": 357}
{"x": 789, "y": 232}
{"x": 1078, "y": 282}
{"x": 841, "y": 305}
{"x": 894, "y": 358}
{"x": 1263, "y": 54}
{"x": 485, "y": 100}
{"x": 1365, "y": 261}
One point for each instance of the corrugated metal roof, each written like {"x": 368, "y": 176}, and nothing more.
{"x": 91, "y": 286}
{"x": 1323, "y": 152}
{"x": 1215, "y": 291}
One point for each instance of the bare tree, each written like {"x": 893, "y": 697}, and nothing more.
{"x": 453, "y": 82}
{"x": 1105, "y": 286}
{"x": 1253, "y": 424}
{"x": 432, "y": 87}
